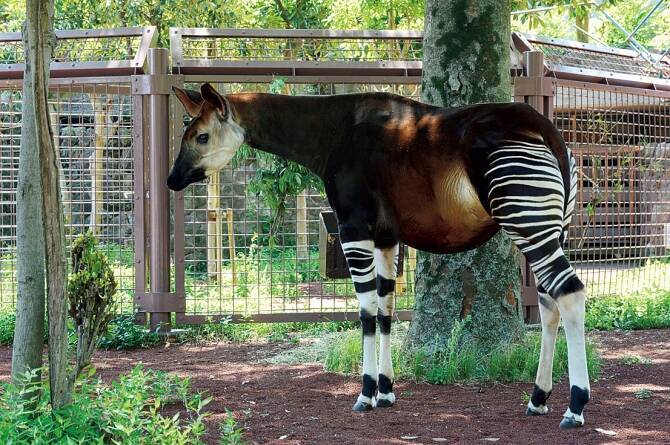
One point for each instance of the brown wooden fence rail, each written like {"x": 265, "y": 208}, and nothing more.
{"x": 205, "y": 254}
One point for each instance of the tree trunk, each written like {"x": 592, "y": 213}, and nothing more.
{"x": 466, "y": 60}
{"x": 29, "y": 332}
{"x": 41, "y": 12}
{"x": 582, "y": 22}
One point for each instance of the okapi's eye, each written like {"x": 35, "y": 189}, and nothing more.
{"x": 202, "y": 138}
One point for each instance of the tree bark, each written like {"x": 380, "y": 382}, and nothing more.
{"x": 29, "y": 332}
{"x": 466, "y": 60}
{"x": 40, "y": 16}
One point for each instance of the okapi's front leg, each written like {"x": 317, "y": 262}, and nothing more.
{"x": 386, "y": 261}
{"x": 359, "y": 253}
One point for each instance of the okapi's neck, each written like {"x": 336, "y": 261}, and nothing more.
{"x": 302, "y": 129}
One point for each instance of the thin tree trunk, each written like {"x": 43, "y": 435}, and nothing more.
{"x": 29, "y": 332}
{"x": 52, "y": 208}
{"x": 582, "y": 22}
{"x": 466, "y": 60}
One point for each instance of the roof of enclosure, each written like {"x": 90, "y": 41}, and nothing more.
{"x": 311, "y": 56}
{"x": 567, "y": 59}
{"x": 387, "y": 56}
{"x": 84, "y": 52}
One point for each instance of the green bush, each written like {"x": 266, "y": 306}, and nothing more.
{"x": 128, "y": 411}
{"x": 7, "y": 323}
{"x": 123, "y": 333}
{"x": 645, "y": 311}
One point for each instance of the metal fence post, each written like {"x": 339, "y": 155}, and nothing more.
{"x": 159, "y": 212}
{"x": 537, "y": 91}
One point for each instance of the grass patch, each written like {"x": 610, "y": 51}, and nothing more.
{"x": 130, "y": 410}
{"x": 458, "y": 362}
{"x": 631, "y": 360}
{"x": 641, "y": 311}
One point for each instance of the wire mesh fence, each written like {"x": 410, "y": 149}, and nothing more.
{"x": 235, "y": 264}
{"x": 92, "y": 127}
{"x": 300, "y": 45}
{"x": 620, "y": 236}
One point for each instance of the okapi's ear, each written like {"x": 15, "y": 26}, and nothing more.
{"x": 191, "y": 99}
{"x": 213, "y": 97}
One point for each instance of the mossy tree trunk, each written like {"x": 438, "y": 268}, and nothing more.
{"x": 53, "y": 231}
{"x": 466, "y": 60}
{"x": 38, "y": 42}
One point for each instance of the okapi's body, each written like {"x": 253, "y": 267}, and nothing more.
{"x": 441, "y": 180}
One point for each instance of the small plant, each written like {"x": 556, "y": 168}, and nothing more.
{"x": 128, "y": 411}
{"x": 231, "y": 432}
{"x": 123, "y": 333}
{"x": 643, "y": 394}
{"x": 91, "y": 288}
{"x": 635, "y": 360}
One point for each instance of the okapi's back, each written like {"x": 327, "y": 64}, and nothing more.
{"x": 430, "y": 164}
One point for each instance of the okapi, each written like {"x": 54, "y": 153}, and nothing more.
{"x": 438, "y": 179}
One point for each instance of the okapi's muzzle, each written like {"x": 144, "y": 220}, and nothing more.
{"x": 183, "y": 174}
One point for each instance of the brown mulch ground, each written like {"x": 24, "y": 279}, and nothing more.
{"x": 301, "y": 404}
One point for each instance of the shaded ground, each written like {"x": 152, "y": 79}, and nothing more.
{"x": 301, "y": 404}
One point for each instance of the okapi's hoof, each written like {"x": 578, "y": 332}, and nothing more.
{"x": 569, "y": 423}
{"x": 360, "y": 407}
{"x": 533, "y": 410}
{"x": 384, "y": 403}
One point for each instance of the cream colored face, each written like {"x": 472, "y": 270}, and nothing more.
{"x": 209, "y": 142}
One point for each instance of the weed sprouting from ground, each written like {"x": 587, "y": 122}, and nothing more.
{"x": 231, "y": 432}
{"x": 643, "y": 394}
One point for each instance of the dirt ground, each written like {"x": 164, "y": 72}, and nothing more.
{"x": 301, "y": 404}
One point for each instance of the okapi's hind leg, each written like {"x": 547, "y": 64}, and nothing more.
{"x": 386, "y": 261}
{"x": 550, "y": 317}
{"x": 358, "y": 249}
{"x": 527, "y": 199}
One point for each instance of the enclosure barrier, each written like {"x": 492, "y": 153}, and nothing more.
{"x": 92, "y": 121}
{"x": 207, "y": 254}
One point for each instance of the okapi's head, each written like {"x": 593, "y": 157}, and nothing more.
{"x": 210, "y": 138}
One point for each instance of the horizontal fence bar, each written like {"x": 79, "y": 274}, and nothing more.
{"x": 334, "y": 34}
{"x": 231, "y": 78}
{"x": 284, "y": 317}
{"x": 85, "y": 84}
{"x": 300, "y": 68}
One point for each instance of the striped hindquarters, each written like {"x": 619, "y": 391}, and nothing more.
{"x": 527, "y": 199}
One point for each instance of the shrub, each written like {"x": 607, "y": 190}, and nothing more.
{"x": 90, "y": 290}
{"x": 129, "y": 411}
{"x": 123, "y": 333}
{"x": 644, "y": 311}
{"x": 7, "y": 323}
